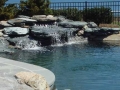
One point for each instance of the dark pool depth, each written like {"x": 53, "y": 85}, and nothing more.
{"x": 84, "y": 66}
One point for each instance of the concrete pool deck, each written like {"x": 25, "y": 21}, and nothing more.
{"x": 8, "y": 69}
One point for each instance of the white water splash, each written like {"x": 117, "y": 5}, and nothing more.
{"x": 72, "y": 40}
{"x": 29, "y": 45}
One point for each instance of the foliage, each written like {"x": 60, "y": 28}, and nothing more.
{"x": 8, "y": 12}
{"x": 70, "y": 13}
{"x": 35, "y": 7}
{"x": 98, "y": 15}
{"x": 2, "y": 2}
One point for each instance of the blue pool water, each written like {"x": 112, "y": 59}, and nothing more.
{"x": 83, "y": 66}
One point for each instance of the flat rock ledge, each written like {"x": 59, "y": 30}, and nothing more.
{"x": 8, "y": 69}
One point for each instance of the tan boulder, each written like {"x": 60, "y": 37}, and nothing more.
{"x": 36, "y": 81}
{"x": 1, "y": 34}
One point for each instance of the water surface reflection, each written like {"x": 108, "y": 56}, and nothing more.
{"x": 84, "y": 66}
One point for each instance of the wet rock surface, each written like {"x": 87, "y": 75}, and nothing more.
{"x": 10, "y": 68}
{"x": 4, "y": 46}
{"x": 16, "y": 31}
{"x": 72, "y": 24}
{"x": 44, "y": 17}
{"x": 45, "y": 30}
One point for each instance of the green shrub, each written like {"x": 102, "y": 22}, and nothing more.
{"x": 70, "y": 13}
{"x": 8, "y": 12}
{"x": 35, "y": 7}
{"x": 98, "y": 15}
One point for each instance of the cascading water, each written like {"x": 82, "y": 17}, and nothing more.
{"x": 55, "y": 35}
{"x": 29, "y": 45}
{"x": 56, "y": 40}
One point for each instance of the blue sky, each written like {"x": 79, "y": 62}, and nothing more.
{"x": 17, "y": 1}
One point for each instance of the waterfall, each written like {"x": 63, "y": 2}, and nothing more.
{"x": 28, "y": 45}
{"x": 56, "y": 39}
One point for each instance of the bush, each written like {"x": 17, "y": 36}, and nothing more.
{"x": 8, "y": 12}
{"x": 70, "y": 13}
{"x": 34, "y": 7}
{"x": 98, "y": 15}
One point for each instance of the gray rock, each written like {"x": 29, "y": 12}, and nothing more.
{"x": 6, "y": 84}
{"x": 38, "y": 16}
{"x": 110, "y": 29}
{"x": 15, "y": 21}
{"x": 92, "y": 25}
{"x": 1, "y": 34}
{"x": 116, "y": 29}
{"x": 61, "y": 18}
{"x": 53, "y": 35}
{"x": 19, "y": 21}
{"x": 92, "y": 29}
{"x": 27, "y": 19}
{"x": 50, "y": 31}
{"x": 4, "y": 23}
{"x": 44, "y": 18}
{"x": 16, "y": 31}
{"x": 4, "y": 46}
{"x": 23, "y": 16}
{"x": 17, "y": 39}
{"x": 72, "y": 24}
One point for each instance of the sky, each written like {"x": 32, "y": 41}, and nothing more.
{"x": 17, "y": 1}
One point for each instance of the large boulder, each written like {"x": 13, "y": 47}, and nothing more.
{"x": 27, "y": 19}
{"x": 34, "y": 80}
{"x": 110, "y": 29}
{"x": 72, "y": 24}
{"x": 15, "y": 21}
{"x": 90, "y": 30}
{"x": 48, "y": 36}
{"x": 23, "y": 16}
{"x": 43, "y": 18}
{"x": 20, "y": 21}
{"x": 50, "y": 31}
{"x": 17, "y": 40}
{"x": 1, "y": 34}
{"x": 61, "y": 18}
{"x": 16, "y": 31}
{"x": 92, "y": 25}
{"x": 4, "y": 23}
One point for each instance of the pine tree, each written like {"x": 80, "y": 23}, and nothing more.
{"x": 35, "y": 7}
{"x": 7, "y": 11}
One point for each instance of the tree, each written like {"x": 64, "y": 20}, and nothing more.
{"x": 2, "y": 2}
{"x": 7, "y": 11}
{"x": 35, "y": 7}
{"x": 98, "y": 15}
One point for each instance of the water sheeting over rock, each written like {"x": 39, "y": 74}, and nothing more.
{"x": 38, "y": 30}
{"x": 53, "y": 34}
{"x": 16, "y": 31}
{"x": 17, "y": 40}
